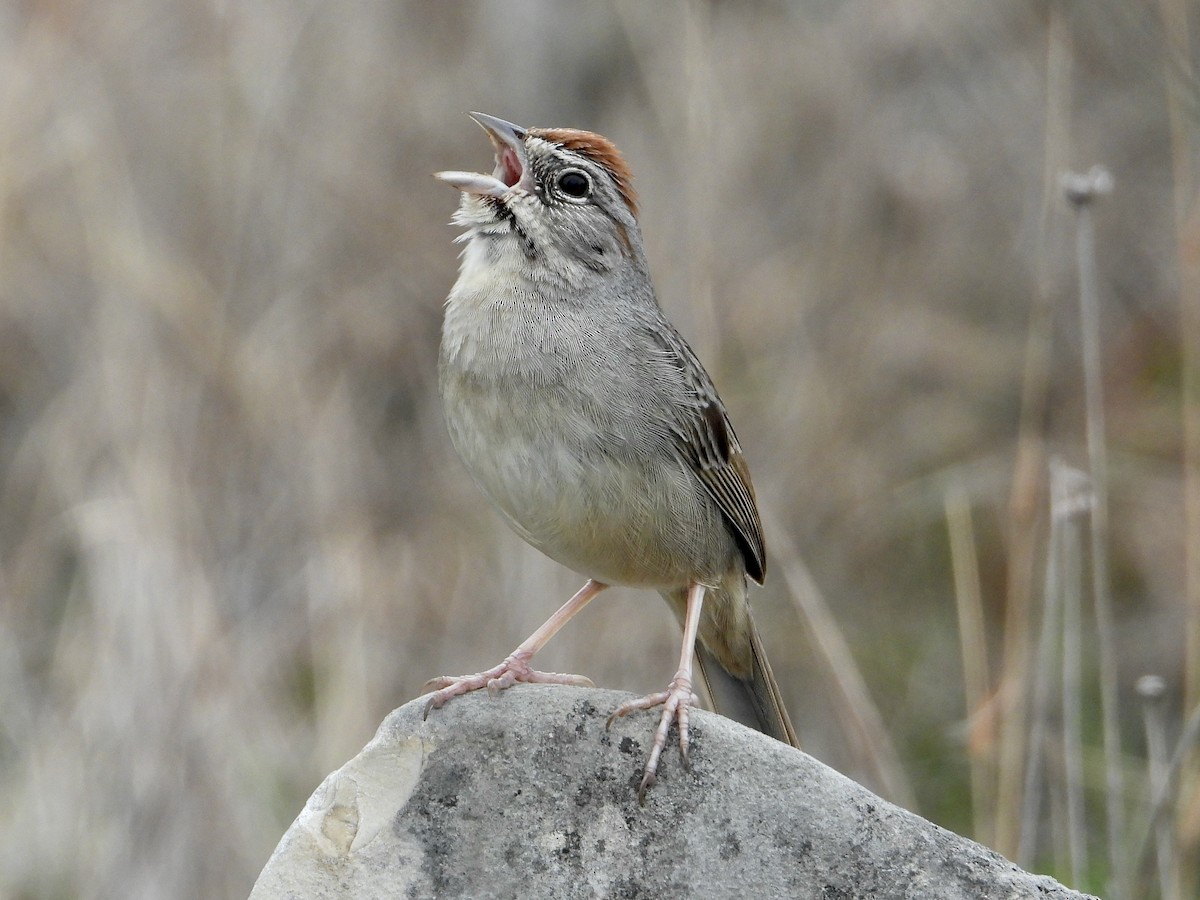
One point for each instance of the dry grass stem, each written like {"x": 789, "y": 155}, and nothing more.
{"x": 1081, "y": 191}
{"x": 968, "y": 598}
{"x": 1151, "y": 690}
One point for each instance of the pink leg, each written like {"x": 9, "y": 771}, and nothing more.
{"x": 516, "y": 666}
{"x": 677, "y": 699}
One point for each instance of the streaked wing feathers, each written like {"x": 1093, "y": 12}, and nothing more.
{"x": 706, "y": 439}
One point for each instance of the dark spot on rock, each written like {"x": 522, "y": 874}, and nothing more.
{"x": 583, "y": 796}
{"x": 629, "y": 889}
{"x": 629, "y": 746}
{"x": 832, "y": 892}
{"x": 572, "y": 845}
{"x": 585, "y": 709}
{"x": 441, "y": 790}
{"x": 426, "y": 818}
{"x": 730, "y": 846}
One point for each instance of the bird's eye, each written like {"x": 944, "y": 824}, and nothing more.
{"x": 574, "y": 183}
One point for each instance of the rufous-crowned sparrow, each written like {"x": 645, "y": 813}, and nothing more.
{"x": 589, "y": 422}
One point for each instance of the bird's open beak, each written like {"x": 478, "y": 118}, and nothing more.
{"x": 512, "y": 163}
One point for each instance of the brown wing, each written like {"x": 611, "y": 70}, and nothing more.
{"x": 706, "y": 439}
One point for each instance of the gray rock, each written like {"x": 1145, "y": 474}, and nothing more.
{"x": 526, "y": 794}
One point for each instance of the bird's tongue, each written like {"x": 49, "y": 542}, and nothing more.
{"x": 508, "y": 166}
{"x": 508, "y": 144}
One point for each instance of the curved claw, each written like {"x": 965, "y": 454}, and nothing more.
{"x": 648, "y": 780}
{"x": 676, "y": 701}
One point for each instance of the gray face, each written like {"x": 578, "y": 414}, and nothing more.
{"x": 565, "y": 203}
{"x": 576, "y": 213}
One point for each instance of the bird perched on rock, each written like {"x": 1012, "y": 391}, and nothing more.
{"x": 591, "y": 425}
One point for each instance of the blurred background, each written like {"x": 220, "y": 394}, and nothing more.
{"x": 234, "y": 535}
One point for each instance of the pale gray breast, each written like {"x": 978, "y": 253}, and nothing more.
{"x": 562, "y": 423}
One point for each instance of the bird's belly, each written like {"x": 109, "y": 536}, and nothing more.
{"x": 591, "y": 503}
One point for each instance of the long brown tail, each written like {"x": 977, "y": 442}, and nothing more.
{"x": 755, "y": 702}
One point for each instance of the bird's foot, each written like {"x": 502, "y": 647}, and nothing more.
{"x": 514, "y": 669}
{"x": 676, "y": 701}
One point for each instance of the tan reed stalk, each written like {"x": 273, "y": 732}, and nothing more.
{"x": 968, "y": 598}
